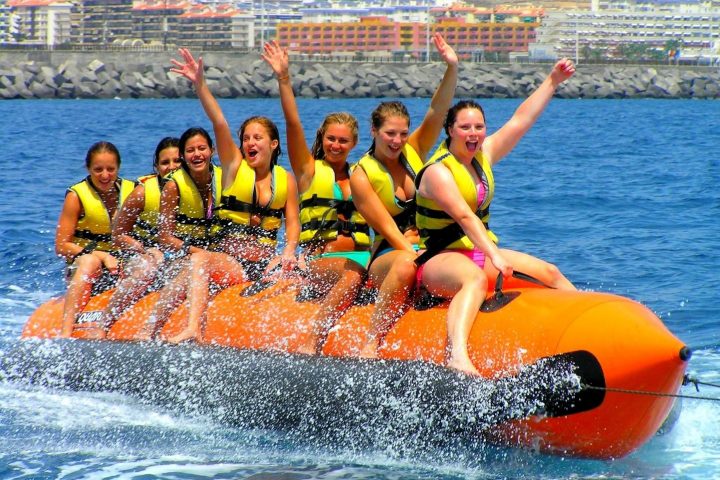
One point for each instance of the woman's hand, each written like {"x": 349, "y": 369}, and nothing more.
{"x": 445, "y": 50}
{"x": 277, "y": 58}
{"x": 191, "y": 69}
{"x": 502, "y": 265}
{"x": 287, "y": 263}
{"x": 562, "y": 70}
{"x": 110, "y": 263}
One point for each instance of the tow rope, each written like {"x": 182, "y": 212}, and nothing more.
{"x": 687, "y": 380}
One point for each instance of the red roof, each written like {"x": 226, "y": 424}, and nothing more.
{"x": 34, "y": 3}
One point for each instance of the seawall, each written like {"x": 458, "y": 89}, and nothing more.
{"x": 100, "y": 74}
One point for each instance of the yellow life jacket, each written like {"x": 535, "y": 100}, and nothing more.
{"x": 402, "y": 211}
{"x": 146, "y": 224}
{"x": 94, "y": 228}
{"x": 319, "y": 209}
{"x": 192, "y": 222}
{"x": 433, "y": 221}
{"x": 238, "y": 204}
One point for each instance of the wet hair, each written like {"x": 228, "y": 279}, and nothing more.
{"x": 100, "y": 147}
{"x": 384, "y": 111}
{"x": 340, "y": 118}
{"x": 272, "y": 130}
{"x": 167, "y": 142}
{"x": 187, "y": 135}
{"x": 453, "y": 113}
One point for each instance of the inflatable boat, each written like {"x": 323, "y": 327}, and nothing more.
{"x": 625, "y": 366}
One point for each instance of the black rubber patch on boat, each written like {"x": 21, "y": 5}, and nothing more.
{"x": 592, "y": 380}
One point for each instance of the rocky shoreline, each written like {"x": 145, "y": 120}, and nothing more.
{"x": 48, "y": 75}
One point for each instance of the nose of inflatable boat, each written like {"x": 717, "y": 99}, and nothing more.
{"x": 643, "y": 364}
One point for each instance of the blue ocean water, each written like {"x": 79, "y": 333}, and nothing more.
{"x": 621, "y": 195}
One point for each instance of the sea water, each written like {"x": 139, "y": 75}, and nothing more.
{"x": 623, "y": 195}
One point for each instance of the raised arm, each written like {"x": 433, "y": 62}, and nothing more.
{"x": 125, "y": 221}
{"x": 301, "y": 159}
{"x": 500, "y": 143}
{"x": 228, "y": 151}
{"x": 439, "y": 185}
{"x": 424, "y": 137}
{"x": 374, "y": 212}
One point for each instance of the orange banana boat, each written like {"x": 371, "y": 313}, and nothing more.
{"x": 638, "y": 364}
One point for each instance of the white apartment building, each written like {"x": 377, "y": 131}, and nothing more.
{"x": 39, "y": 22}
{"x": 567, "y": 33}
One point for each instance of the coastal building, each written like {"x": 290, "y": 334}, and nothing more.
{"x": 39, "y": 22}
{"x": 624, "y": 34}
{"x": 382, "y": 36}
{"x": 156, "y": 21}
{"x": 209, "y": 27}
{"x": 101, "y": 22}
{"x": 6, "y": 22}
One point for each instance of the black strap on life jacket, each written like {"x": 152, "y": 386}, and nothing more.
{"x": 229, "y": 227}
{"x": 438, "y": 240}
{"x": 233, "y": 204}
{"x": 93, "y": 237}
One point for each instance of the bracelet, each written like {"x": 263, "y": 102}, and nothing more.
{"x": 280, "y": 78}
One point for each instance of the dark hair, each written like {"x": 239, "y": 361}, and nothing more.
{"x": 384, "y": 111}
{"x": 187, "y": 135}
{"x": 167, "y": 142}
{"x": 272, "y": 130}
{"x": 340, "y": 118}
{"x": 100, "y": 147}
{"x": 453, "y": 113}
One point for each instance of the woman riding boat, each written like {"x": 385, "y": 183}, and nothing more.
{"x": 384, "y": 192}
{"x": 83, "y": 235}
{"x": 256, "y": 195}
{"x": 135, "y": 232}
{"x": 187, "y": 203}
{"x": 454, "y": 191}
{"x": 334, "y": 235}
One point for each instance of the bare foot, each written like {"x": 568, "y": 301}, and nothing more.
{"x": 184, "y": 336}
{"x": 369, "y": 351}
{"x": 148, "y": 331}
{"x": 306, "y": 350}
{"x": 463, "y": 365}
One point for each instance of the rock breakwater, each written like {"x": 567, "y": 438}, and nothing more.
{"x": 36, "y": 75}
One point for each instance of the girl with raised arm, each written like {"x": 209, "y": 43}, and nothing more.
{"x": 256, "y": 195}
{"x": 454, "y": 191}
{"x": 383, "y": 190}
{"x": 334, "y": 235}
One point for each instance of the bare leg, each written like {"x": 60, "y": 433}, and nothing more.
{"x": 139, "y": 274}
{"x": 452, "y": 275}
{"x": 89, "y": 268}
{"x": 544, "y": 271}
{"x": 171, "y": 296}
{"x": 342, "y": 278}
{"x": 395, "y": 273}
{"x": 224, "y": 270}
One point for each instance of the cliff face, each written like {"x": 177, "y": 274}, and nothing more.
{"x": 146, "y": 75}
